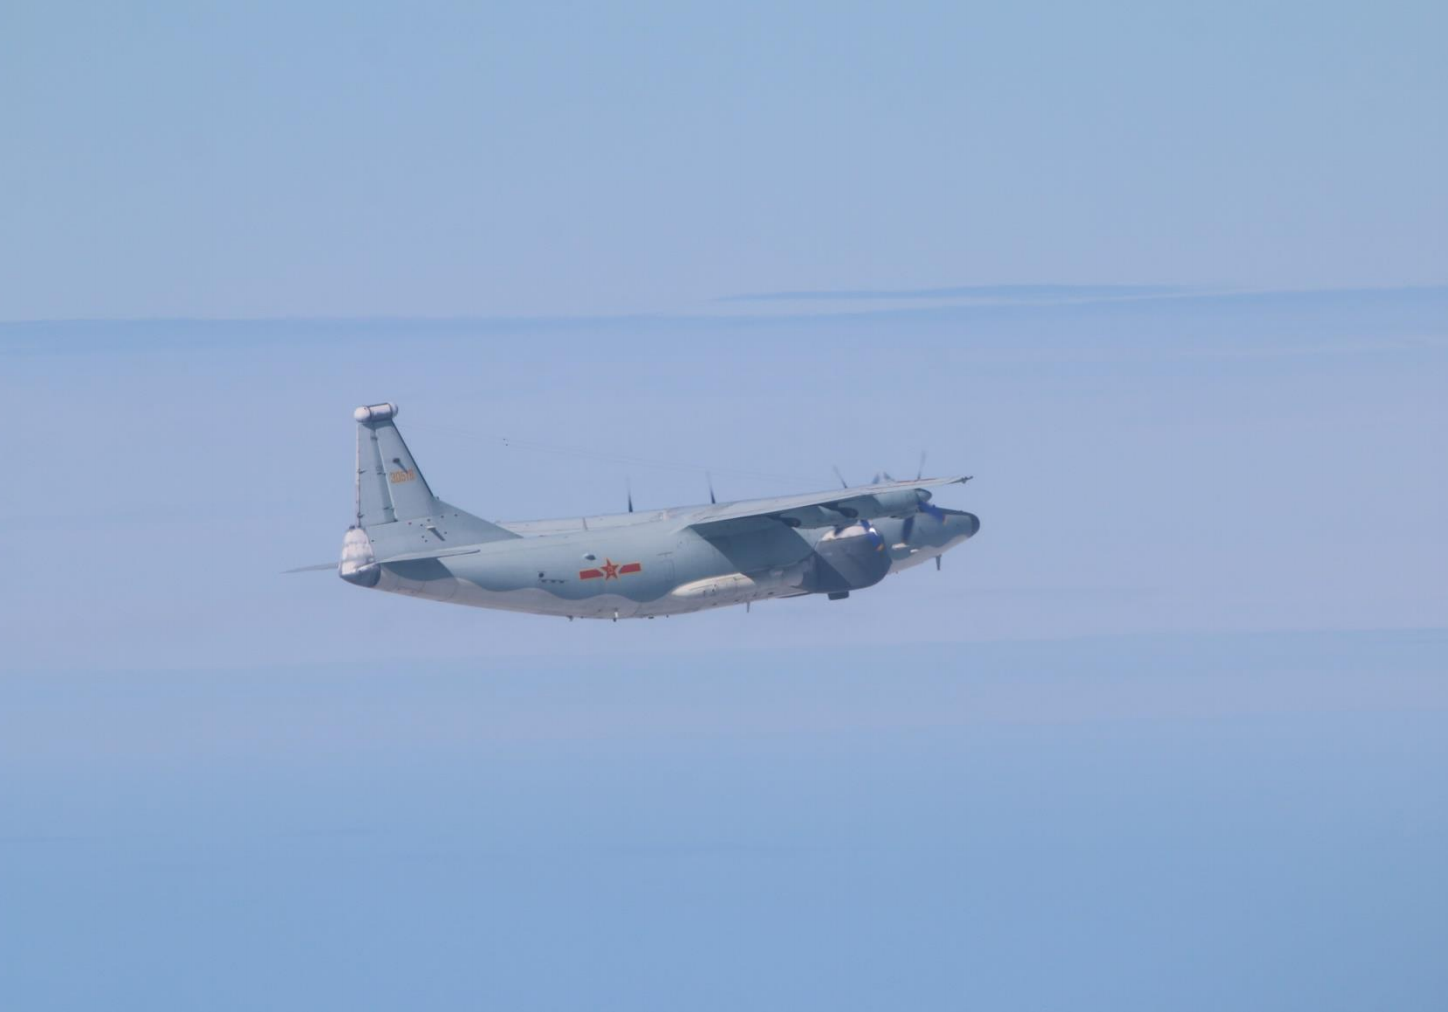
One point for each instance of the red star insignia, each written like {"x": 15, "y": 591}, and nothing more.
{"x": 610, "y": 569}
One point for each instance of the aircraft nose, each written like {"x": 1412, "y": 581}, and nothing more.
{"x": 968, "y": 523}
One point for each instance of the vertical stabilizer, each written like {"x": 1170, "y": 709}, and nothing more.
{"x": 391, "y": 488}
{"x": 389, "y": 485}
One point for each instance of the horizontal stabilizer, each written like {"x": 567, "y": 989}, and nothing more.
{"x": 437, "y": 553}
{"x": 318, "y": 568}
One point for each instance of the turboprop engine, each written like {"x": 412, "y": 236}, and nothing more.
{"x": 847, "y": 558}
{"x": 899, "y": 503}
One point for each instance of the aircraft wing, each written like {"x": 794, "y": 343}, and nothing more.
{"x": 816, "y": 509}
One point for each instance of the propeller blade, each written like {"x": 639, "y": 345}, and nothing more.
{"x": 873, "y": 535}
{"x": 907, "y": 528}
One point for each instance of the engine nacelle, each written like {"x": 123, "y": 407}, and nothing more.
{"x": 847, "y": 558}
{"x": 899, "y": 502}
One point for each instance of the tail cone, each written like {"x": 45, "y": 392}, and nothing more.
{"x": 358, "y": 564}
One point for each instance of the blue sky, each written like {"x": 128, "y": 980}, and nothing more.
{"x": 1170, "y": 281}
{"x": 435, "y": 159}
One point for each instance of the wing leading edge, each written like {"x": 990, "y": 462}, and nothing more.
{"x": 817, "y": 509}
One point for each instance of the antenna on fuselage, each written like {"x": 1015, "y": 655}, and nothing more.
{"x": 357, "y": 481}
{"x": 628, "y": 484}
{"x": 710, "y": 479}
{"x": 836, "y": 468}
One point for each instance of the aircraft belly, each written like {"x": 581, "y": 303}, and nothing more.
{"x": 738, "y": 588}
{"x": 910, "y": 558}
{"x": 537, "y": 601}
{"x": 424, "y": 578}
{"x": 576, "y": 577}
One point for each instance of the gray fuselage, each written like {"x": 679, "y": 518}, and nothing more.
{"x": 631, "y": 565}
{"x": 641, "y": 565}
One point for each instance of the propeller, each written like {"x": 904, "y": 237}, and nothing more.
{"x": 882, "y": 476}
{"x": 873, "y": 536}
{"x": 929, "y": 509}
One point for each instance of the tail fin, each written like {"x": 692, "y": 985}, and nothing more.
{"x": 389, "y": 486}
{"x": 392, "y": 490}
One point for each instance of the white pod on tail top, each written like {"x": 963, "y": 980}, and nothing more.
{"x": 375, "y": 412}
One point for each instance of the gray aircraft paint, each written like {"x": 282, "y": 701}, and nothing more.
{"x": 631, "y": 565}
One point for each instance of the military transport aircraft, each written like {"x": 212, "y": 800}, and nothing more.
{"x": 636, "y": 564}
